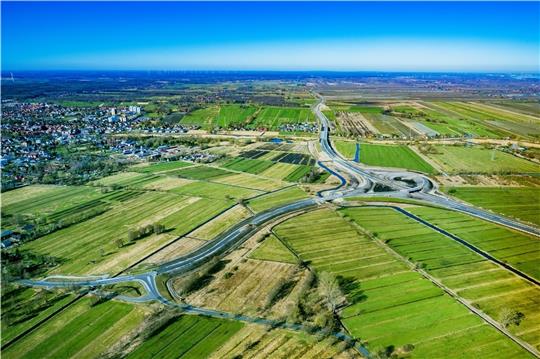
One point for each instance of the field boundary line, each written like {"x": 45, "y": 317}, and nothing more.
{"x": 475, "y": 249}
{"x": 41, "y": 322}
{"x": 453, "y": 294}
{"x": 309, "y": 268}
{"x": 173, "y": 241}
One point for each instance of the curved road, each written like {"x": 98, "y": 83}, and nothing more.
{"x": 362, "y": 182}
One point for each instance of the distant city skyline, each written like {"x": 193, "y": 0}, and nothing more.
{"x": 361, "y": 36}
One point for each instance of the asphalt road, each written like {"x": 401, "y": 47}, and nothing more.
{"x": 361, "y": 183}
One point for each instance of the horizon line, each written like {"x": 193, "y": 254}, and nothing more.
{"x": 281, "y": 71}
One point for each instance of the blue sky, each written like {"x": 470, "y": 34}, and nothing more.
{"x": 403, "y": 36}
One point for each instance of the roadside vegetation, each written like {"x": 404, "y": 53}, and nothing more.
{"x": 386, "y": 299}
{"x": 517, "y": 202}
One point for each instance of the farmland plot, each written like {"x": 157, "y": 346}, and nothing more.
{"x": 279, "y": 170}
{"x": 80, "y": 331}
{"x": 387, "y": 125}
{"x": 294, "y": 158}
{"x": 248, "y": 165}
{"x": 90, "y": 246}
{"x": 445, "y": 122}
{"x": 299, "y": 173}
{"x": 235, "y": 115}
{"x": 255, "y": 342}
{"x": 24, "y": 307}
{"x": 517, "y": 202}
{"x": 203, "y": 117}
{"x": 346, "y": 148}
{"x": 486, "y": 285}
{"x": 187, "y": 337}
{"x": 57, "y": 204}
{"x": 215, "y": 190}
{"x": 519, "y": 250}
{"x": 246, "y": 287}
{"x": 273, "y": 250}
{"x": 388, "y": 303}
{"x": 393, "y": 156}
{"x": 273, "y": 117}
{"x": 275, "y": 199}
{"x": 385, "y": 156}
{"x": 200, "y": 173}
{"x": 355, "y": 124}
{"x": 459, "y": 159}
{"x": 250, "y": 181}
{"x": 127, "y": 179}
{"x": 38, "y": 198}
{"x": 221, "y": 223}
{"x": 161, "y": 167}
{"x": 190, "y": 217}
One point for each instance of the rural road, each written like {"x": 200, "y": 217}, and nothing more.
{"x": 356, "y": 180}
{"x": 362, "y": 184}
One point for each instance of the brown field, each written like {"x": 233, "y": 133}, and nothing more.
{"x": 355, "y": 124}
{"x": 247, "y": 289}
{"x": 181, "y": 247}
{"x": 255, "y": 341}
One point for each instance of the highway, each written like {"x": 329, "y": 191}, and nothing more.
{"x": 424, "y": 189}
{"x": 356, "y": 180}
{"x": 361, "y": 182}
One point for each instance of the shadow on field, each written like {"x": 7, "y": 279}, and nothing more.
{"x": 351, "y": 288}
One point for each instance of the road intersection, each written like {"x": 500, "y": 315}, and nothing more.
{"x": 356, "y": 181}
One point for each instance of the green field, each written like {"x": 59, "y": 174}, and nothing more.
{"x": 460, "y": 159}
{"x": 127, "y": 179}
{"x": 273, "y": 117}
{"x": 273, "y": 250}
{"x": 519, "y": 250}
{"x": 385, "y": 156}
{"x": 497, "y": 122}
{"x": 38, "y": 200}
{"x": 203, "y": 117}
{"x": 80, "y": 331}
{"x": 215, "y": 190}
{"x": 234, "y": 115}
{"x": 275, "y": 199}
{"x": 200, "y": 173}
{"x": 486, "y": 285}
{"x": 299, "y": 173}
{"x": 54, "y": 205}
{"x": 516, "y": 202}
{"x": 387, "y": 125}
{"x": 248, "y": 165}
{"x": 251, "y": 181}
{"x": 445, "y": 122}
{"x": 187, "y": 337}
{"x": 188, "y": 218}
{"x": 346, "y": 148}
{"x": 24, "y": 307}
{"x": 91, "y": 246}
{"x": 161, "y": 166}
{"x": 279, "y": 170}
{"x": 221, "y": 223}
{"x": 388, "y": 303}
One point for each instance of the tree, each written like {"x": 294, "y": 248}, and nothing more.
{"x": 330, "y": 290}
{"x": 158, "y": 228}
{"x": 510, "y": 317}
{"x": 132, "y": 235}
{"x": 119, "y": 242}
{"x": 149, "y": 229}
